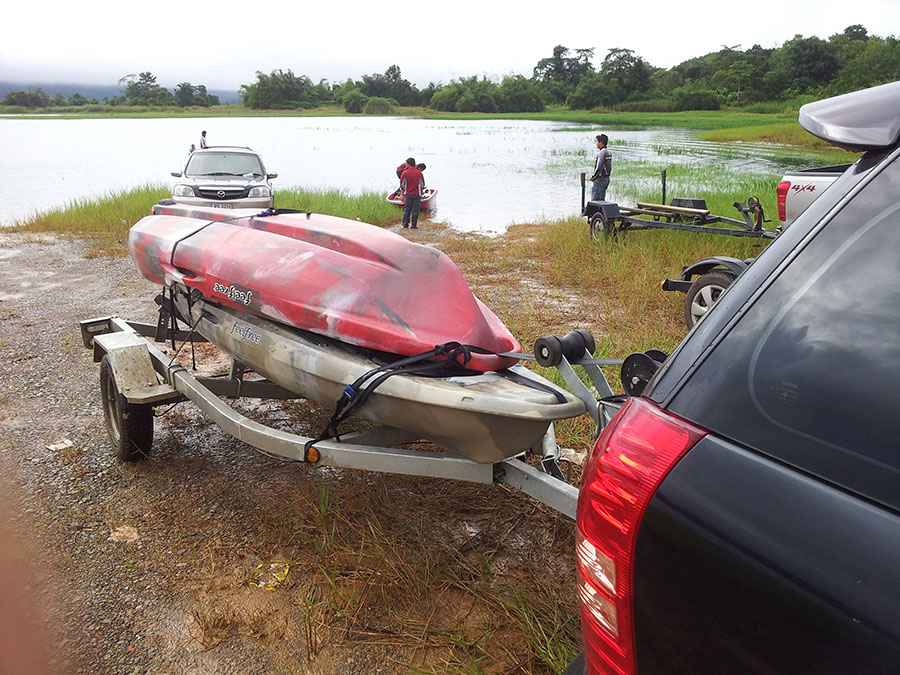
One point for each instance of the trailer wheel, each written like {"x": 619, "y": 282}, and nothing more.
{"x": 704, "y": 293}
{"x": 600, "y": 226}
{"x": 130, "y": 426}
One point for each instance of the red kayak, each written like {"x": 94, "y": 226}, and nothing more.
{"x": 429, "y": 199}
{"x": 347, "y": 280}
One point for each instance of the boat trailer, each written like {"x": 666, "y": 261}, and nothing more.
{"x": 608, "y": 219}
{"x": 136, "y": 375}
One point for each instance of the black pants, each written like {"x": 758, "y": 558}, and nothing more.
{"x": 411, "y": 207}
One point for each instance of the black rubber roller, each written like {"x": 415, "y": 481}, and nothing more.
{"x": 549, "y": 350}
{"x": 589, "y": 344}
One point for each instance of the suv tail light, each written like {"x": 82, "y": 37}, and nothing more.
{"x": 630, "y": 459}
{"x": 781, "y": 191}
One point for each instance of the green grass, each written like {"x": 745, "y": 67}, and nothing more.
{"x": 700, "y": 119}
{"x": 368, "y": 207}
{"x": 105, "y": 221}
{"x": 625, "y": 273}
{"x": 781, "y": 133}
{"x": 640, "y": 181}
{"x": 95, "y": 111}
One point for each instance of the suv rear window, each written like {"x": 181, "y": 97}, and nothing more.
{"x": 810, "y": 374}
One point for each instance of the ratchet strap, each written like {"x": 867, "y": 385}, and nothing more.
{"x": 456, "y": 354}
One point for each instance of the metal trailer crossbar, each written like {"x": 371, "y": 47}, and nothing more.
{"x": 145, "y": 376}
{"x": 608, "y": 219}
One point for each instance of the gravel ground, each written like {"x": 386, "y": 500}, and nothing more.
{"x": 134, "y": 567}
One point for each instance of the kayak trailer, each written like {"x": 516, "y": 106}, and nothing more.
{"x": 137, "y": 375}
{"x": 608, "y": 219}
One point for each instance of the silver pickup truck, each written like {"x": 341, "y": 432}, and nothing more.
{"x": 798, "y": 189}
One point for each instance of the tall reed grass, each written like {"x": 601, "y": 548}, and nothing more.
{"x": 368, "y": 207}
{"x": 641, "y": 181}
{"x": 105, "y": 221}
{"x": 782, "y": 133}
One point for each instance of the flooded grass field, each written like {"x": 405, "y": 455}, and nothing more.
{"x": 490, "y": 173}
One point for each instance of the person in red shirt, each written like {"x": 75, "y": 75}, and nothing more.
{"x": 412, "y": 184}
{"x": 400, "y": 169}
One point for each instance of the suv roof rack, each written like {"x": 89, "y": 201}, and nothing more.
{"x": 226, "y": 147}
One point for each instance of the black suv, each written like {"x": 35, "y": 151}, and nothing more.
{"x": 743, "y": 514}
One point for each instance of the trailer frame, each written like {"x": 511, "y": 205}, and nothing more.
{"x": 609, "y": 219}
{"x": 146, "y": 375}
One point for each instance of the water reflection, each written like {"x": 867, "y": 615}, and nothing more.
{"x": 490, "y": 174}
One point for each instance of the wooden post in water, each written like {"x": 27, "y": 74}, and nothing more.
{"x": 662, "y": 176}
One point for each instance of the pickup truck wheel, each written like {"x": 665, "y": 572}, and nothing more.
{"x": 130, "y": 426}
{"x": 704, "y": 293}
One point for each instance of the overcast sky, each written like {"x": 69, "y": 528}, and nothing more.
{"x": 223, "y": 43}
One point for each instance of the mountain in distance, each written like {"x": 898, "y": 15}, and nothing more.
{"x": 91, "y": 91}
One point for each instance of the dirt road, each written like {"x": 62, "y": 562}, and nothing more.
{"x": 207, "y": 557}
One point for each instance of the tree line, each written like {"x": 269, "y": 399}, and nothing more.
{"x": 801, "y": 68}
{"x": 808, "y": 67}
{"x": 141, "y": 89}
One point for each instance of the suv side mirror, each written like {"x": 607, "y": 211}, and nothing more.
{"x": 273, "y": 175}
{"x": 177, "y": 174}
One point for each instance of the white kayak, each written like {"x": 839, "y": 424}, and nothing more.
{"x": 485, "y": 416}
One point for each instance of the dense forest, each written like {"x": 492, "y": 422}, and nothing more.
{"x": 803, "y": 68}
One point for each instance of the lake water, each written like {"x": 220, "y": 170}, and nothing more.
{"x": 489, "y": 173}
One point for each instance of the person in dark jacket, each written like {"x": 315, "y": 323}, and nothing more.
{"x": 412, "y": 184}
{"x": 602, "y": 170}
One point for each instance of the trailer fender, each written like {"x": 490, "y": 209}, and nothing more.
{"x": 132, "y": 368}
{"x": 610, "y": 210}
{"x": 732, "y": 265}
{"x": 701, "y": 267}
